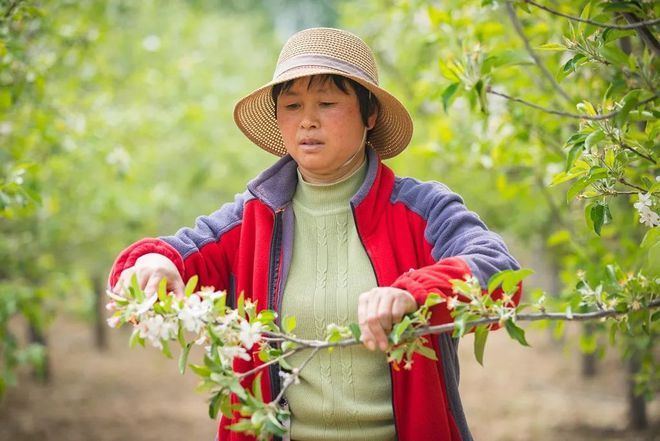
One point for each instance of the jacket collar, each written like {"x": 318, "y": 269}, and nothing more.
{"x": 276, "y": 185}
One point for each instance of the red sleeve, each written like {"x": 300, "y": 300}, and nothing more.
{"x": 127, "y": 258}
{"x": 436, "y": 279}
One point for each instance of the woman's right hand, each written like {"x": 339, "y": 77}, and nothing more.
{"x": 150, "y": 269}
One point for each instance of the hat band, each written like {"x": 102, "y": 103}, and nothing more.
{"x": 321, "y": 61}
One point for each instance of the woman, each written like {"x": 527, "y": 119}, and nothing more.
{"x": 328, "y": 234}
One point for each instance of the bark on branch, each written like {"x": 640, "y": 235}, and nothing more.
{"x": 634, "y": 25}
{"x": 562, "y": 113}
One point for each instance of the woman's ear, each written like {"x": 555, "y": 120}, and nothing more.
{"x": 371, "y": 119}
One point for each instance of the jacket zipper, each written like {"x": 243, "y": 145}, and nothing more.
{"x": 273, "y": 275}
{"x": 389, "y": 368}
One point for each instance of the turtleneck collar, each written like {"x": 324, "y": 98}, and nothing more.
{"x": 329, "y": 198}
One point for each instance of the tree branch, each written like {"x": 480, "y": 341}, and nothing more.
{"x": 628, "y": 184}
{"x": 294, "y": 375}
{"x": 634, "y": 25}
{"x": 265, "y": 365}
{"x": 601, "y": 117}
{"x": 632, "y": 149}
{"x": 450, "y": 327}
{"x": 574, "y": 317}
{"x": 546, "y": 73}
{"x": 11, "y": 8}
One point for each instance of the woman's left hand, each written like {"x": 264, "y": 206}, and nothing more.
{"x": 379, "y": 309}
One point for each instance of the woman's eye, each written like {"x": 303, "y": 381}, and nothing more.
{"x": 292, "y": 106}
{"x": 327, "y": 104}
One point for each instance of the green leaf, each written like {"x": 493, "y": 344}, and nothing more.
{"x": 480, "y": 88}
{"x": 595, "y": 174}
{"x": 285, "y": 364}
{"x": 448, "y": 95}
{"x": 225, "y": 405}
{"x": 162, "y": 289}
{"x": 289, "y": 324}
{"x": 600, "y": 215}
{"x": 190, "y": 286}
{"x": 433, "y": 299}
{"x": 496, "y": 280}
{"x": 587, "y": 215}
{"x": 511, "y": 280}
{"x": 426, "y": 352}
{"x": 183, "y": 358}
{"x": 480, "y": 337}
{"x": 628, "y": 102}
{"x": 166, "y": 348}
{"x": 573, "y": 154}
{"x": 355, "y": 330}
{"x": 214, "y": 405}
{"x": 612, "y": 53}
{"x": 651, "y": 237}
{"x": 135, "y": 338}
{"x": 399, "y": 329}
{"x": 580, "y": 168}
{"x": 241, "y": 306}
{"x": 450, "y": 70}
{"x": 136, "y": 291}
{"x": 200, "y": 371}
{"x": 241, "y": 426}
{"x": 516, "y": 332}
{"x": 180, "y": 336}
{"x": 552, "y": 47}
{"x": 506, "y": 57}
{"x": 266, "y": 316}
{"x": 256, "y": 387}
{"x": 594, "y": 138}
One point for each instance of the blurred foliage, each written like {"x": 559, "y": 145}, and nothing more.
{"x": 115, "y": 124}
{"x": 464, "y": 68}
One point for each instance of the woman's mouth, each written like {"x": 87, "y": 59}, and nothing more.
{"x": 310, "y": 144}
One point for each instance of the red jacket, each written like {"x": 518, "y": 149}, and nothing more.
{"x": 417, "y": 235}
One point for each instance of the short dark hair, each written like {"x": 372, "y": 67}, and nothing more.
{"x": 367, "y": 101}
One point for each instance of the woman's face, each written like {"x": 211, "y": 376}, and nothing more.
{"x": 322, "y": 129}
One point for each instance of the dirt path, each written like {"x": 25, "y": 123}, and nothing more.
{"x": 122, "y": 394}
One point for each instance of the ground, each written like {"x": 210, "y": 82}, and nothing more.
{"x": 521, "y": 394}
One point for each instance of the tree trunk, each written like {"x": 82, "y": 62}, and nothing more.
{"x": 100, "y": 327}
{"x": 637, "y": 419}
{"x": 41, "y": 373}
{"x": 588, "y": 360}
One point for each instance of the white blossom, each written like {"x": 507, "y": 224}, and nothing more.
{"x": 288, "y": 377}
{"x": 228, "y": 353}
{"x": 647, "y": 216}
{"x": 452, "y": 302}
{"x": 113, "y": 321}
{"x": 142, "y": 308}
{"x": 195, "y": 313}
{"x": 155, "y": 328}
{"x": 250, "y": 333}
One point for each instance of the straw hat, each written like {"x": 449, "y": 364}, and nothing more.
{"x": 325, "y": 51}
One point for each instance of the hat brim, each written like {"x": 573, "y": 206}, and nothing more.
{"x": 255, "y": 115}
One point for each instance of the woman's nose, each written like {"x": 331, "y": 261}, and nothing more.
{"x": 309, "y": 119}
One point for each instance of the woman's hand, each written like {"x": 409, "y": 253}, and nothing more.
{"x": 379, "y": 309}
{"x": 150, "y": 269}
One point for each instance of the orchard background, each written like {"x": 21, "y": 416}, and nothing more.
{"x": 115, "y": 124}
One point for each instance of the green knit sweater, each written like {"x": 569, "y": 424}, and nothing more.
{"x": 345, "y": 394}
